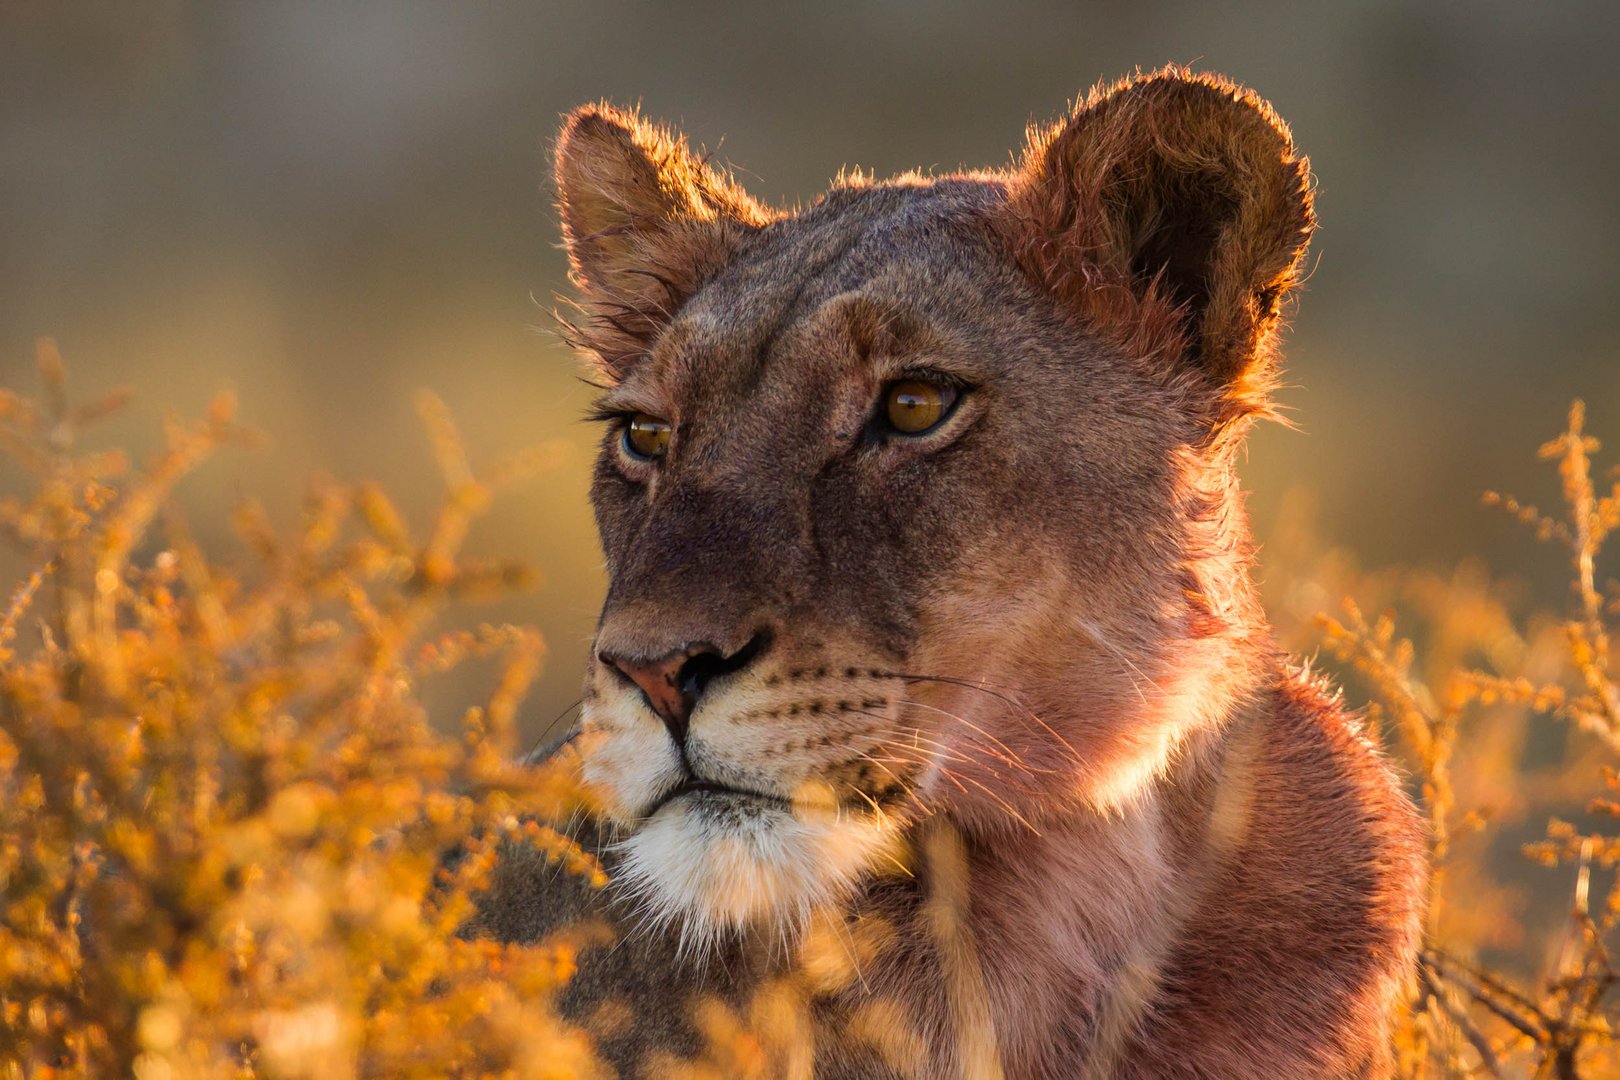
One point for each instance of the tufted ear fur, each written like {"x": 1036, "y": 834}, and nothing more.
{"x": 1187, "y": 191}
{"x": 645, "y": 221}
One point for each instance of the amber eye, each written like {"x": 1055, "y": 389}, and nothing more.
{"x": 646, "y": 436}
{"x": 913, "y": 406}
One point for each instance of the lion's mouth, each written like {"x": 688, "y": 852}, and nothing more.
{"x": 711, "y": 789}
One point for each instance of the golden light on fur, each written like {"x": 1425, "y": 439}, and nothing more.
{"x": 1458, "y": 726}
{"x": 1000, "y": 631}
{"x": 979, "y": 757}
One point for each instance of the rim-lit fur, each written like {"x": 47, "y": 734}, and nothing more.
{"x": 1019, "y": 726}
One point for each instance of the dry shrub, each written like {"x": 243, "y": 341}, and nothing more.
{"x": 1509, "y": 722}
{"x": 224, "y": 819}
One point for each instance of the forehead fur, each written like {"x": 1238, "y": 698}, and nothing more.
{"x": 1169, "y": 212}
{"x": 907, "y": 249}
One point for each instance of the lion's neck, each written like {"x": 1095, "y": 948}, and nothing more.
{"x": 1068, "y": 922}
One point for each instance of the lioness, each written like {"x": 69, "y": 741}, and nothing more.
{"x": 937, "y": 725}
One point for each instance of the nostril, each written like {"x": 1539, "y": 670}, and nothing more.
{"x": 702, "y": 668}
{"x": 698, "y": 670}
{"x": 673, "y": 683}
{"x": 695, "y": 674}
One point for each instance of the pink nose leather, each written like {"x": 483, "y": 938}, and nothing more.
{"x": 657, "y": 679}
{"x": 673, "y": 683}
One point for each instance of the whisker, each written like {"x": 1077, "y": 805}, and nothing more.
{"x": 876, "y": 809}
{"x": 910, "y": 791}
{"x": 954, "y": 755}
{"x": 880, "y": 738}
{"x": 951, "y": 776}
{"x": 983, "y": 750}
{"x": 941, "y": 751}
{"x": 1012, "y": 757}
{"x": 884, "y": 762}
{"x": 541, "y": 750}
{"x": 902, "y": 760}
{"x": 919, "y": 741}
{"x": 1121, "y": 655}
{"x": 1005, "y": 805}
{"x": 984, "y": 688}
{"x": 881, "y": 813}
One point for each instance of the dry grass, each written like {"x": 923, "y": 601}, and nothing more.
{"x": 224, "y": 817}
{"x": 1509, "y": 721}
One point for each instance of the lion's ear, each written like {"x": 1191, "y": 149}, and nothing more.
{"x": 635, "y": 198}
{"x": 645, "y": 224}
{"x": 1188, "y": 191}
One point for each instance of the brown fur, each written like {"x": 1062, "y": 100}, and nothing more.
{"x": 1051, "y": 802}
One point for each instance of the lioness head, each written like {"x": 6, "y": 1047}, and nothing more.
{"x": 919, "y": 500}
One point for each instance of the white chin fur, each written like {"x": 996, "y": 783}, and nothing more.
{"x": 720, "y": 866}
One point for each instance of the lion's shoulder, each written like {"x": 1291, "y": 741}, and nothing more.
{"x": 1316, "y": 879}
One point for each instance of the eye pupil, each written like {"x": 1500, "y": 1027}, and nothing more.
{"x": 647, "y": 436}
{"x": 914, "y": 406}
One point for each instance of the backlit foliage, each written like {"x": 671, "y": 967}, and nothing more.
{"x": 1509, "y": 723}
{"x": 232, "y": 845}
{"x": 225, "y": 824}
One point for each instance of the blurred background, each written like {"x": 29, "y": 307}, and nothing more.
{"x": 325, "y": 206}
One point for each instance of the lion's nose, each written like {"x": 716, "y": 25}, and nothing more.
{"x": 673, "y": 683}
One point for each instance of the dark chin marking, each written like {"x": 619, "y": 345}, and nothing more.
{"x": 732, "y": 807}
